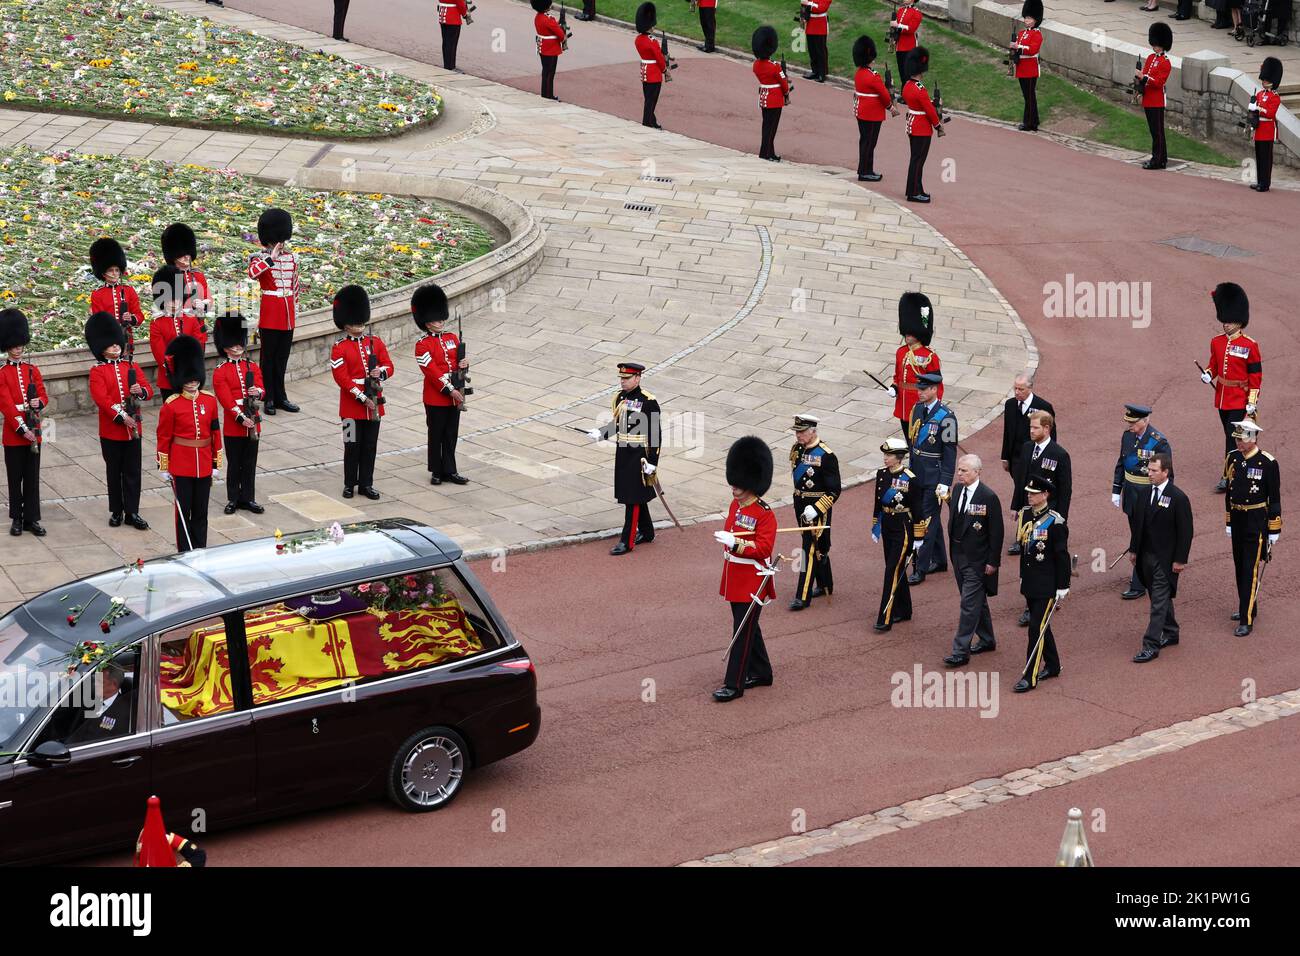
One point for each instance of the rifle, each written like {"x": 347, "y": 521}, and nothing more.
{"x": 789, "y": 93}
{"x": 1013, "y": 58}
{"x": 893, "y": 34}
{"x": 373, "y": 390}
{"x": 126, "y": 321}
{"x": 1251, "y": 121}
{"x": 693, "y": 5}
{"x": 938, "y": 108}
{"x": 32, "y": 417}
{"x": 252, "y": 410}
{"x": 460, "y": 377}
{"x": 1139, "y": 82}
{"x": 803, "y": 15}
{"x": 469, "y": 9}
{"x": 564, "y": 25}
{"x": 672, "y": 64}
{"x": 132, "y": 404}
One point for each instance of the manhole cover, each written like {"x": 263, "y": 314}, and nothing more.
{"x": 1220, "y": 250}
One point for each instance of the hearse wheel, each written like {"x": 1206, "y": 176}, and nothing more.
{"x": 427, "y": 770}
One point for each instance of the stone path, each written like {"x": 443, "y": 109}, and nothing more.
{"x": 754, "y": 291}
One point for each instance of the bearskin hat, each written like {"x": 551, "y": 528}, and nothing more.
{"x": 646, "y": 17}
{"x": 167, "y": 285}
{"x": 1033, "y": 8}
{"x": 429, "y": 304}
{"x": 178, "y": 240}
{"x": 102, "y": 331}
{"x": 541, "y": 6}
{"x": 1231, "y": 304}
{"x": 104, "y": 254}
{"x": 916, "y": 317}
{"x": 185, "y": 361}
{"x": 351, "y": 306}
{"x": 1160, "y": 35}
{"x": 14, "y": 330}
{"x": 274, "y": 225}
{"x": 916, "y": 62}
{"x": 864, "y": 51}
{"x": 1271, "y": 71}
{"x": 230, "y": 328}
{"x": 749, "y": 465}
{"x": 764, "y": 42}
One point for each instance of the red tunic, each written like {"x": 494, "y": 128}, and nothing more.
{"x": 1237, "y": 369}
{"x": 870, "y": 98}
{"x": 278, "y": 279}
{"x": 452, "y": 12}
{"x": 348, "y": 362}
{"x": 109, "y": 388}
{"x": 817, "y": 18}
{"x": 228, "y": 381}
{"x": 772, "y": 84}
{"x": 908, "y": 364}
{"x": 909, "y": 22}
{"x": 707, "y": 4}
{"x": 740, "y": 577}
{"x": 197, "y": 298}
{"x": 549, "y": 35}
{"x": 182, "y": 424}
{"x": 921, "y": 115}
{"x": 162, "y": 330}
{"x": 1267, "y": 102}
{"x": 653, "y": 63}
{"x": 110, "y": 298}
{"x": 1156, "y": 71}
{"x": 436, "y": 356}
{"x": 1029, "y": 42}
{"x": 14, "y": 379}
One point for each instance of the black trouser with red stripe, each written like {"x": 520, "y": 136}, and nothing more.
{"x": 651, "y": 93}
{"x": 637, "y": 521}
{"x": 771, "y": 119}
{"x": 1264, "y": 163}
{"x": 748, "y": 658}
{"x": 23, "y": 466}
{"x": 450, "y": 40}
{"x": 192, "y": 496}
{"x": 548, "y": 75}
{"x": 709, "y": 26}
{"x": 1248, "y": 550}
{"x": 868, "y": 134}
{"x": 276, "y": 345}
{"x": 122, "y": 474}
{"x": 916, "y": 165}
{"x": 817, "y": 57}
{"x": 241, "y": 470}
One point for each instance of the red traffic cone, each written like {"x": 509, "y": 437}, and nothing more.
{"x": 153, "y": 848}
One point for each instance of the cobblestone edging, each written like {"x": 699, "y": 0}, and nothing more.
{"x": 1018, "y": 783}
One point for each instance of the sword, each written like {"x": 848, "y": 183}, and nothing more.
{"x": 1259, "y": 581}
{"x": 754, "y": 601}
{"x": 806, "y": 527}
{"x": 876, "y": 380}
{"x": 181, "y": 514}
{"x": 659, "y": 490}
{"x": 1116, "y": 561}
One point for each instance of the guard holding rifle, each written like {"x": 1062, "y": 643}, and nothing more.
{"x": 441, "y": 357}
{"x": 871, "y": 97}
{"x": 451, "y": 14}
{"x": 1044, "y": 578}
{"x": 1263, "y": 120}
{"x": 773, "y": 87}
{"x": 899, "y": 523}
{"x": 108, "y": 263}
{"x": 903, "y": 32}
{"x": 180, "y": 247}
{"x": 189, "y": 442}
{"x": 552, "y": 40}
{"x": 238, "y": 384}
{"x": 635, "y": 428}
{"x": 275, "y": 270}
{"x": 361, "y": 365}
{"x": 914, "y": 357}
{"x": 1253, "y": 515}
{"x": 815, "y": 17}
{"x": 816, "y": 475}
{"x": 170, "y": 321}
{"x": 117, "y": 387}
{"x": 1140, "y": 441}
{"x": 654, "y": 65}
{"x": 1235, "y": 368}
{"x": 1149, "y": 83}
{"x": 923, "y": 121}
{"x": 1024, "y": 59}
{"x": 22, "y": 396}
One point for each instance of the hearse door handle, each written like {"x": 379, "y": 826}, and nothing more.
{"x": 6, "y": 805}
{"x": 126, "y": 761}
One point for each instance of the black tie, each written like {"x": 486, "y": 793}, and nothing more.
{"x": 1155, "y": 495}
{"x": 1038, "y": 450}
{"x": 961, "y": 505}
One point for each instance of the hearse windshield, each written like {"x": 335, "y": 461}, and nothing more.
{"x": 33, "y": 678}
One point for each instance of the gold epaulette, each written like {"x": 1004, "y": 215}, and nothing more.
{"x": 825, "y": 449}
{"x": 795, "y": 452}
{"x": 647, "y": 396}
{"x": 1267, "y": 455}
{"x": 909, "y": 472}
{"x": 171, "y": 398}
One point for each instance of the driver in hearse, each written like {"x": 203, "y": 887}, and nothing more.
{"x": 111, "y": 716}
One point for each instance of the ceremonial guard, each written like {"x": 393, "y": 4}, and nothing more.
{"x": 189, "y": 442}
{"x": 922, "y": 123}
{"x": 897, "y": 522}
{"x": 1044, "y": 579}
{"x": 653, "y": 63}
{"x": 932, "y": 440}
{"x": 275, "y": 269}
{"x": 749, "y": 537}
{"x": 1025, "y": 49}
{"x": 180, "y": 247}
{"x": 708, "y": 24}
{"x": 1151, "y": 81}
{"x": 451, "y": 15}
{"x": 237, "y": 382}
{"x": 1265, "y": 104}
{"x": 588, "y": 10}
{"x": 1160, "y": 541}
{"x": 551, "y": 41}
{"x": 22, "y": 397}
{"x": 914, "y": 357}
{"x": 117, "y": 387}
{"x": 816, "y": 474}
{"x": 437, "y": 353}
{"x": 1235, "y": 368}
{"x": 975, "y": 537}
{"x": 636, "y": 430}
{"x": 815, "y": 15}
{"x": 108, "y": 263}
{"x": 1253, "y": 516}
{"x": 906, "y": 27}
{"x": 772, "y": 88}
{"x": 1139, "y": 442}
{"x": 169, "y": 322}
{"x": 1015, "y": 426}
{"x": 870, "y": 100}
{"x": 361, "y": 365}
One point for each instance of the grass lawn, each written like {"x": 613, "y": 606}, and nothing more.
{"x": 971, "y": 74}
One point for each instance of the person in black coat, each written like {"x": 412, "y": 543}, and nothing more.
{"x": 1160, "y": 540}
{"x": 340, "y": 15}
{"x": 635, "y": 428}
{"x": 898, "y": 522}
{"x": 1042, "y": 457}
{"x": 1044, "y": 579}
{"x": 1015, "y": 426}
{"x": 112, "y": 718}
{"x": 975, "y": 546}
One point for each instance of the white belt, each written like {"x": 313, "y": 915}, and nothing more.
{"x": 1029, "y": 56}
{"x": 912, "y": 112}
{"x": 875, "y": 95}
{"x": 649, "y": 61}
{"x": 769, "y": 86}
{"x": 735, "y": 560}
{"x": 811, "y": 15}
{"x": 445, "y": 4}
{"x": 277, "y": 293}
{"x": 547, "y": 37}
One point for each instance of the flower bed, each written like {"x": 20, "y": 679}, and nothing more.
{"x": 52, "y": 206}
{"x": 127, "y": 57}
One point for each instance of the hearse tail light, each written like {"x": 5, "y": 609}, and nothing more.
{"x": 522, "y": 664}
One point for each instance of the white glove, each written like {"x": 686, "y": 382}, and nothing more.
{"x": 875, "y": 539}
{"x": 725, "y": 538}
{"x": 165, "y": 476}
{"x": 1115, "y": 500}
{"x": 594, "y": 434}
{"x": 941, "y": 491}
{"x": 1272, "y": 539}
{"x": 1207, "y": 378}
{"x": 1061, "y": 593}
{"x": 916, "y": 545}
{"x": 647, "y": 468}
{"x": 809, "y": 514}
{"x": 1250, "y": 410}
{"x": 893, "y": 392}
{"x": 1228, "y": 530}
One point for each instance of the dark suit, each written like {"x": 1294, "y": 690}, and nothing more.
{"x": 114, "y": 722}
{"x": 1015, "y": 427}
{"x": 1161, "y": 536}
{"x": 974, "y": 540}
{"x": 1054, "y": 464}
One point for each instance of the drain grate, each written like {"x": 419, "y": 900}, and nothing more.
{"x": 656, "y": 179}
{"x": 1220, "y": 250}
{"x": 638, "y": 207}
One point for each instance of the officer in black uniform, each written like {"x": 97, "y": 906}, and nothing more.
{"x": 899, "y": 524}
{"x": 1253, "y": 516}
{"x": 816, "y": 474}
{"x": 1140, "y": 441}
{"x": 635, "y": 427}
{"x": 1044, "y": 578}
{"x": 932, "y": 433}
{"x": 1042, "y": 456}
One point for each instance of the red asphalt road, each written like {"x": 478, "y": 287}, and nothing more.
{"x": 616, "y": 780}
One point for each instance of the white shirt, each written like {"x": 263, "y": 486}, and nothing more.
{"x": 1159, "y": 491}
{"x": 102, "y": 709}
{"x": 969, "y": 493}
{"x": 1024, "y": 406}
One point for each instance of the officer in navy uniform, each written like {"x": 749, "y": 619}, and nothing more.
{"x": 899, "y": 524}
{"x": 1044, "y": 578}
{"x": 932, "y": 433}
{"x": 635, "y": 428}
{"x": 816, "y": 474}
{"x": 1140, "y": 441}
{"x": 1253, "y": 513}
